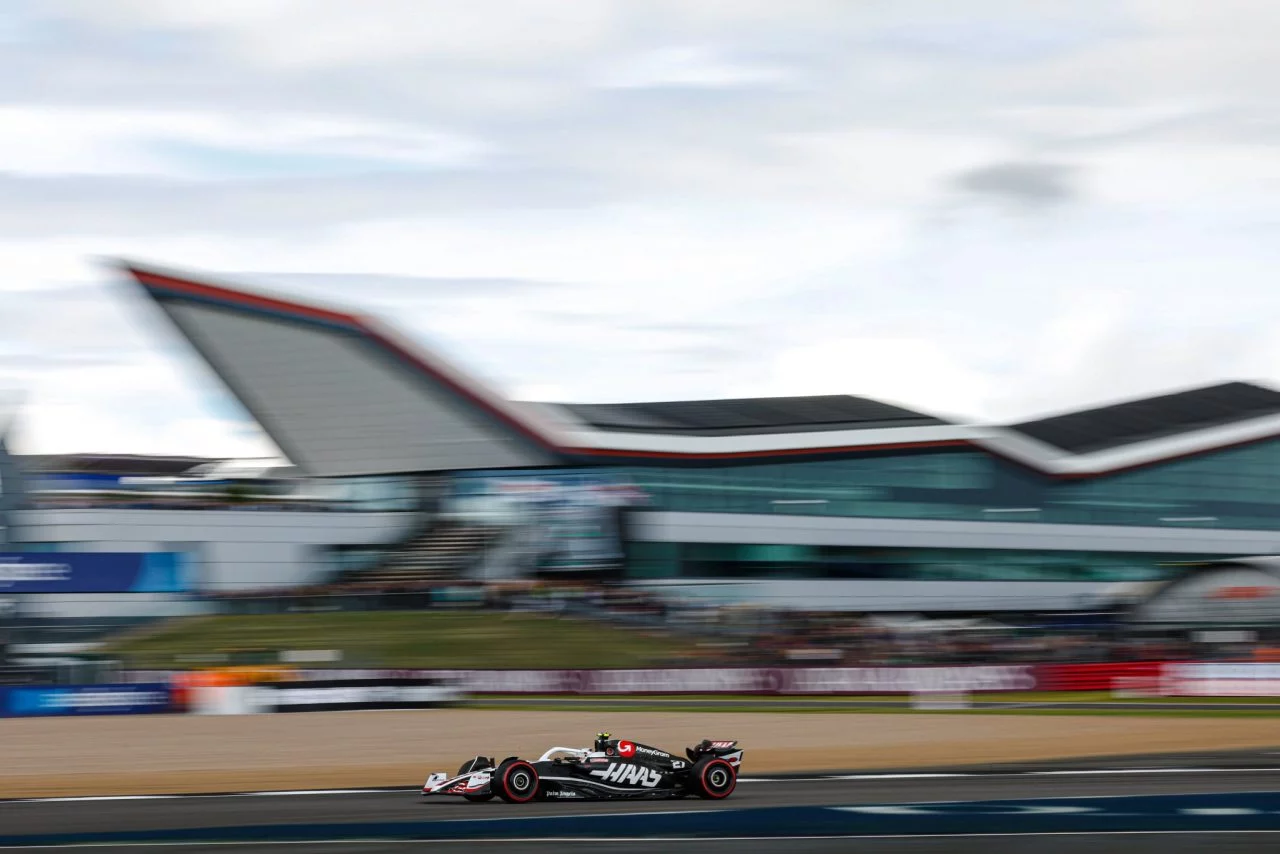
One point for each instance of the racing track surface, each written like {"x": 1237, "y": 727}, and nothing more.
{"x": 1093, "y": 843}
{"x": 1204, "y": 773}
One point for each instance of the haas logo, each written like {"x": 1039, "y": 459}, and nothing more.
{"x": 629, "y": 775}
{"x": 626, "y": 749}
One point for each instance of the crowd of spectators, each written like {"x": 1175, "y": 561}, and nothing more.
{"x": 743, "y": 634}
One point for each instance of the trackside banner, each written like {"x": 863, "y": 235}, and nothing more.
{"x": 737, "y": 680}
{"x": 50, "y": 700}
{"x": 351, "y": 695}
{"x": 93, "y": 572}
{"x": 1221, "y": 679}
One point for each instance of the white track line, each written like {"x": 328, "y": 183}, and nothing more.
{"x": 815, "y": 779}
{"x": 1063, "y": 773}
{"x": 607, "y": 840}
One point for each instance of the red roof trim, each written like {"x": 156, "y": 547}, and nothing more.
{"x": 214, "y": 292}
{"x": 152, "y": 281}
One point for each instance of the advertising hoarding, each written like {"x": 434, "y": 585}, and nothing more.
{"x": 59, "y": 700}
{"x": 94, "y": 572}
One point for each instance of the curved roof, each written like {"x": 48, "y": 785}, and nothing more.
{"x": 342, "y": 392}
{"x": 1107, "y": 427}
{"x": 750, "y": 416}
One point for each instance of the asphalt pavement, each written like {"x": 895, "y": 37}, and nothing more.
{"x": 76, "y": 816}
{"x": 1180, "y": 774}
{"x": 1092, "y": 843}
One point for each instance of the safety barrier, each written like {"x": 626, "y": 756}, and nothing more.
{"x": 832, "y": 681}
{"x": 1096, "y": 677}
{"x": 1168, "y": 678}
{"x": 56, "y": 700}
{"x": 227, "y": 697}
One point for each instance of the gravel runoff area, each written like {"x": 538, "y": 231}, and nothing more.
{"x": 156, "y": 754}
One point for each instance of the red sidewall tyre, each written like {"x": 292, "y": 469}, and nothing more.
{"x": 517, "y": 782}
{"x": 715, "y": 779}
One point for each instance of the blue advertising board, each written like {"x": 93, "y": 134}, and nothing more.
{"x": 39, "y": 701}
{"x": 94, "y": 572}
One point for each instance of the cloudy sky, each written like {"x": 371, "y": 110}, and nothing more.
{"x": 986, "y": 209}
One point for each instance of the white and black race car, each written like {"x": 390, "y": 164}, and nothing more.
{"x": 610, "y": 769}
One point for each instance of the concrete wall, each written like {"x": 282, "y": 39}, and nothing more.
{"x": 97, "y": 606}
{"x": 232, "y": 549}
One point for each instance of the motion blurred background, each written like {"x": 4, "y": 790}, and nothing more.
{"x": 803, "y": 344}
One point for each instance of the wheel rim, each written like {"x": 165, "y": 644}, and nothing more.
{"x": 520, "y": 781}
{"x": 718, "y": 778}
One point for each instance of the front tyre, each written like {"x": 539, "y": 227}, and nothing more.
{"x": 478, "y": 764}
{"x": 714, "y": 778}
{"x": 516, "y": 781}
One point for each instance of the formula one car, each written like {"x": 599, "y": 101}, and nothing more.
{"x": 612, "y": 769}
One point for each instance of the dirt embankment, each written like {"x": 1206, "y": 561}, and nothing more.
{"x": 187, "y": 753}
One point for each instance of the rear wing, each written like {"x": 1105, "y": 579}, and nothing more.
{"x": 710, "y": 746}
{"x": 722, "y": 749}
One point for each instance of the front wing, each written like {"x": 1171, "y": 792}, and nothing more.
{"x": 473, "y": 783}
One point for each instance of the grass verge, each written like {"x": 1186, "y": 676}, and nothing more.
{"x": 407, "y": 639}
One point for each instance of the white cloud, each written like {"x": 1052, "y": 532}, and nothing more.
{"x": 888, "y": 165}
{"x": 42, "y": 140}
{"x": 908, "y": 371}
{"x": 152, "y": 405}
{"x": 60, "y": 428}
{"x": 777, "y": 186}
{"x": 694, "y": 67}
{"x": 310, "y": 34}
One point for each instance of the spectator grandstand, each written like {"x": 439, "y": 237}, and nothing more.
{"x": 407, "y": 476}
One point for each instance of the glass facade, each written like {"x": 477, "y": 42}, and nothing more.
{"x": 1235, "y": 488}
{"x": 373, "y": 494}
{"x": 919, "y": 485}
{"x": 660, "y": 561}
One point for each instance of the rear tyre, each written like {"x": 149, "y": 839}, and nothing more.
{"x": 516, "y": 781}
{"x": 714, "y": 779}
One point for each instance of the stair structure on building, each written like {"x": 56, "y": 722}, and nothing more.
{"x": 438, "y": 555}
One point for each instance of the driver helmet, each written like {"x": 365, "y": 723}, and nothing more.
{"x": 602, "y": 741}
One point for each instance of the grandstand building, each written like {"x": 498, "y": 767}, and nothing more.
{"x": 11, "y": 493}
{"x": 831, "y": 502}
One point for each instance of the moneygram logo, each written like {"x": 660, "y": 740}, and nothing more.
{"x": 649, "y": 751}
{"x": 626, "y": 749}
